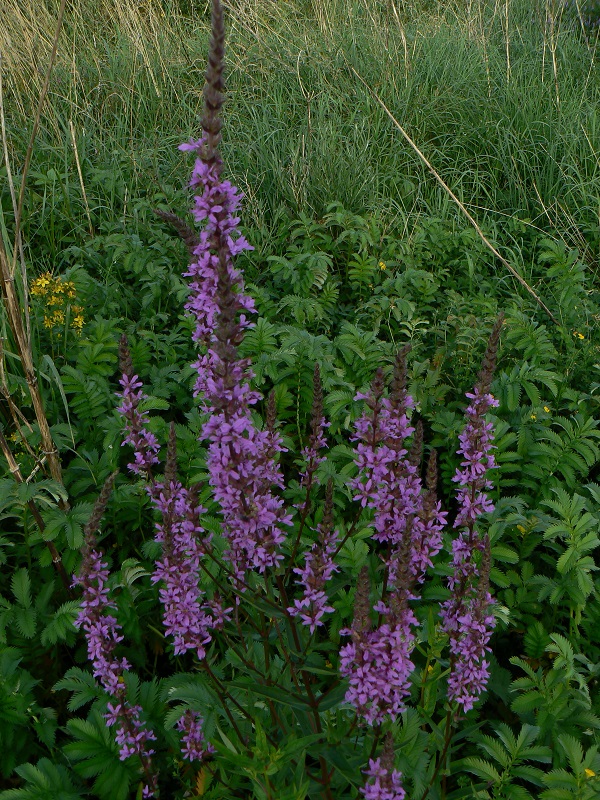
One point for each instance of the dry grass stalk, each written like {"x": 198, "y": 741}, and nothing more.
{"x": 7, "y": 281}
{"x": 15, "y": 320}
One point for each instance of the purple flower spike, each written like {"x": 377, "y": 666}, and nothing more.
{"x": 377, "y": 662}
{"x": 144, "y": 443}
{"x": 187, "y": 617}
{"x": 102, "y": 632}
{"x": 194, "y": 745}
{"x": 465, "y": 615}
{"x": 317, "y": 571}
{"x": 241, "y": 458}
{"x": 387, "y": 782}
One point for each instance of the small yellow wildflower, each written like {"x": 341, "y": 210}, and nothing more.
{"x": 48, "y": 323}
{"x": 521, "y": 528}
{"x": 578, "y": 335}
{"x": 77, "y": 323}
{"x": 429, "y": 668}
{"x": 533, "y": 417}
{"x": 590, "y": 773}
{"x": 40, "y": 285}
{"x": 54, "y": 301}
{"x": 382, "y": 265}
{"x": 546, "y": 409}
{"x": 58, "y": 317}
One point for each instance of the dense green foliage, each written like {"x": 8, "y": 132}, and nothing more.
{"x": 357, "y": 251}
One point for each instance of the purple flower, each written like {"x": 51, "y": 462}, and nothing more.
{"x": 186, "y": 617}
{"x": 385, "y": 785}
{"x": 241, "y": 458}
{"x": 465, "y": 615}
{"x": 317, "y": 571}
{"x": 377, "y": 662}
{"x": 387, "y": 782}
{"x": 409, "y": 522}
{"x": 378, "y": 666}
{"x": 103, "y": 634}
{"x": 194, "y": 745}
{"x": 389, "y": 483}
{"x": 144, "y": 443}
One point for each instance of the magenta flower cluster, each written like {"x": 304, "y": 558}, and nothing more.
{"x": 385, "y": 784}
{"x": 241, "y": 458}
{"x": 194, "y": 744}
{"x": 465, "y": 615}
{"x": 378, "y": 665}
{"x": 378, "y": 662}
{"x": 187, "y": 618}
{"x": 318, "y": 569}
{"x": 390, "y": 484}
{"x": 145, "y": 444}
{"x": 103, "y": 634}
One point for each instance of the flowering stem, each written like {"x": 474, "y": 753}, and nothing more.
{"x": 442, "y": 759}
{"x": 223, "y": 693}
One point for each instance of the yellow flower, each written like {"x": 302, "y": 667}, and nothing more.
{"x": 58, "y": 317}
{"x": 77, "y": 323}
{"x": 546, "y": 409}
{"x": 578, "y": 335}
{"x": 429, "y": 668}
{"x": 54, "y": 301}
{"x": 533, "y": 417}
{"x": 40, "y": 285}
{"x": 48, "y": 323}
{"x": 382, "y": 265}
{"x": 521, "y": 528}
{"x": 590, "y": 773}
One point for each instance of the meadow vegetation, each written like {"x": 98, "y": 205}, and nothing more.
{"x": 417, "y": 175}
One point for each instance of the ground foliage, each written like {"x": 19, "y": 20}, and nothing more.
{"x": 356, "y": 254}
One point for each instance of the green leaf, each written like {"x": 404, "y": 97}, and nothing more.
{"x": 481, "y": 768}
{"x": 280, "y": 696}
{"x": 21, "y": 587}
{"x": 96, "y": 755}
{"x": 25, "y": 619}
{"x": 44, "y": 781}
{"x": 82, "y": 684}
{"x": 61, "y": 624}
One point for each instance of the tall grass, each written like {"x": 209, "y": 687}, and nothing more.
{"x": 501, "y": 95}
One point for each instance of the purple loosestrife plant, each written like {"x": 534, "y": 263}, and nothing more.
{"x": 317, "y": 571}
{"x": 409, "y": 524}
{"x": 102, "y": 632}
{"x": 145, "y": 444}
{"x": 241, "y": 458}
{"x": 187, "y": 618}
{"x": 377, "y": 662}
{"x": 272, "y": 650}
{"x": 465, "y": 615}
{"x": 194, "y": 745}
{"x": 386, "y": 783}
